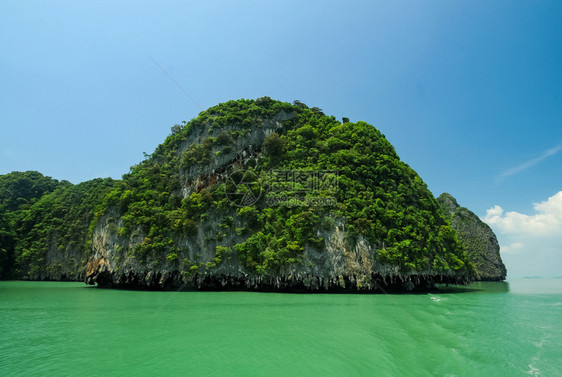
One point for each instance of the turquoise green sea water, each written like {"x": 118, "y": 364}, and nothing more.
{"x": 487, "y": 329}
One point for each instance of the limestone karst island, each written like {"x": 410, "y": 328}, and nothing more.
{"x": 251, "y": 194}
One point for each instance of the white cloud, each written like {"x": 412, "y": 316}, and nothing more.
{"x": 518, "y": 169}
{"x": 531, "y": 243}
{"x": 547, "y": 219}
{"x": 513, "y": 248}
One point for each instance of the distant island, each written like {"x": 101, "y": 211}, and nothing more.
{"x": 478, "y": 238}
{"x": 251, "y": 194}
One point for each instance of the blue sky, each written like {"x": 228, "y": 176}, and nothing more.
{"x": 477, "y": 111}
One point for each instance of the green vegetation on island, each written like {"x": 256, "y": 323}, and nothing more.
{"x": 45, "y": 224}
{"x": 172, "y": 219}
{"x": 18, "y": 192}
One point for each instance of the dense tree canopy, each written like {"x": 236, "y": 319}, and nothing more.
{"x": 41, "y": 213}
{"x": 18, "y": 192}
{"x": 22, "y": 189}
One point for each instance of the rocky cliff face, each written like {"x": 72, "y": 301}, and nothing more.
{"x": 478, "y": 238}
{"x": 342, "y": 265}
